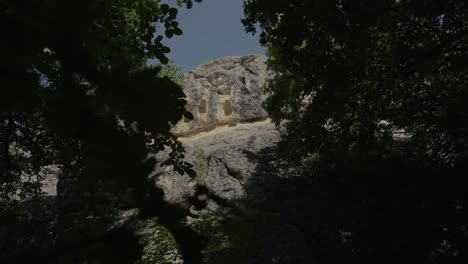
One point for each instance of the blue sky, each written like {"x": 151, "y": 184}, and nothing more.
{"x": 212, "y": 29}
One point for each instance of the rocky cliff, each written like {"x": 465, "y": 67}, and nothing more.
{"x": 225, "y": 91}
{"x": 225, "y": 160}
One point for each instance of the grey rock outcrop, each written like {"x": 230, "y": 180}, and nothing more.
{"x": 224, "y": 91}
{"x": 225, "y": 162}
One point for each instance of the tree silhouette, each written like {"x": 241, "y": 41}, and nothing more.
{"x": 77, "y": 92}
{"x": 373, "y": 96}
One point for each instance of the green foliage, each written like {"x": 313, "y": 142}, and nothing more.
{"x": 77, "y": 93}
{"x": 225, "y": 241}
{"x": 344, "y": 67}
{"x": 78, "y": 224}
{"x": 231, "y": 240}
{"x": 372, "y": 96}
{"x": 82, "y": 70}
{"x": 160, "y": 246}
{"x": 173, "y": 72}
{"x": 200, "y": 165}
{"x": 211, "y": 228}
{"x": 22, "y": 226}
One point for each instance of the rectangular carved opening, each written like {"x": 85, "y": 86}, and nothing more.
{"x": 227, "y": 108}
{"x": 202, "y": 107}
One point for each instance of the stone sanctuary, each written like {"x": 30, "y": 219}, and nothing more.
{"x": 225, "y": 91}
{"x": 229, "y": 127}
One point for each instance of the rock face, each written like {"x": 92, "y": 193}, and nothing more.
{"x": 225, "y": 162}
{"x": 224, "y": 91}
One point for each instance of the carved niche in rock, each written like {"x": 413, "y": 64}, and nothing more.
{"x": 227, "y": 108}
{"x": 202, "y": 107}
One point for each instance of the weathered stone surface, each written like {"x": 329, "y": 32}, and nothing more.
{"x": 49, "y": 184}
{"x": 225, "y": 162}
{"x": 224, "y": 91}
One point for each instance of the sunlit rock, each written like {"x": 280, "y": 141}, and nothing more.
{"x": 225, "y": 91}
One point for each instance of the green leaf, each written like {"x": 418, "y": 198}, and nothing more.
{"x": 173, "y": 13}
{"x": 163, "y": 59}
{"x": 169, "y": 33}
{"x": 178, "y": 31}
{"x": 159, "y": 38}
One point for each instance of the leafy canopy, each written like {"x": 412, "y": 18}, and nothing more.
{"x": 348, "y": 65}
{"x": 373, "y": 97}
{"x": 76, "y": 73}
{"x": 77, "y": 92}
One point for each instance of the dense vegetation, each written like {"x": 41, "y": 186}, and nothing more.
{"x": 373, "y": 97}
{"x": 77, "y": 93}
